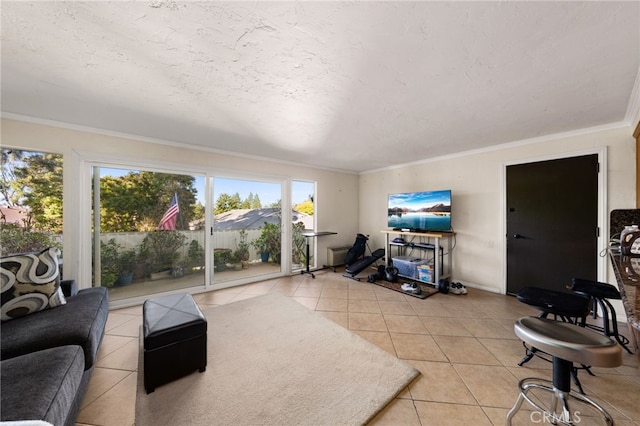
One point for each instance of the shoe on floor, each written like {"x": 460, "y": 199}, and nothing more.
{"x": 457, "y": 288}
{"x": 410, "y": 288}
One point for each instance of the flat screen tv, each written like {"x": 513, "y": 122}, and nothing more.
{"x": 420, "y": 211}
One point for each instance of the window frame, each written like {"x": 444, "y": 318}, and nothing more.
{"x": 82, "y": 215}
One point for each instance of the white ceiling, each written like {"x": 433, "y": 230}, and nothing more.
{"x": 346, "y": 85}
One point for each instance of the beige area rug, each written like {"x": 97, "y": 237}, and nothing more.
{"x": 271, "y": 361}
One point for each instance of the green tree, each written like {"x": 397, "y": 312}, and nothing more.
{"x": 138, "y": 200}
{"x": 120, "y": 208}
{"x": 256, "y": 204}
{"x": 246, "y": 204}
{"x": 252, "y": 202}
{"x": 236, "y": 201}
{"x": 10, "y": 190}
{"x": 197, "y": 211}
{"x": 222, "y": 204}
{"x": 226, "y": 202}
{"x": 41, "y": 180}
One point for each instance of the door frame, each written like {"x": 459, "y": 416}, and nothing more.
{"x": 603, "y": 223}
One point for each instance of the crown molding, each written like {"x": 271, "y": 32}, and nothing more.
{"x": 507, "y": 145}
{"x": 633, "y": 109}
{"x": 110, "y": 133}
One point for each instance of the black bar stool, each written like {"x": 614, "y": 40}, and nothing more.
{"x": 567, "y": 307}
{"x": 599, "y": 293}
{"x": 567, "y": 343}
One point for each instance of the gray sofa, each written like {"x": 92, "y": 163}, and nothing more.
{"x": 47, "y": 357}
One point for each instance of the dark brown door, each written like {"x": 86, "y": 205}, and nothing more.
{"x": 552, "y": 222}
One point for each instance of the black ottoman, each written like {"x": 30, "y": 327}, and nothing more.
{"x": 175, "y": 339}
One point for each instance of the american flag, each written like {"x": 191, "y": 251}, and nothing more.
{"x": 168, "y": 221}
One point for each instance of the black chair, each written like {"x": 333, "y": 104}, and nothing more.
{"x": 564, "y": 306}
{"x": 599, "y": 293}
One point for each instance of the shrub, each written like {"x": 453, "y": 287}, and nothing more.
{"x": 109, "y": 262}
{"x": 161, "y": 249}
{"x": 195, "y": 255}
{"x": 242, "y": 248}
{"x": 15, "y": 239}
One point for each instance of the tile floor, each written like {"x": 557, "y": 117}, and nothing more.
{"x": 464, "y": 346}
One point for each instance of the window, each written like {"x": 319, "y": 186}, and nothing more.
{"x": 302, "y": 220}
{"x": 30, "y": 201}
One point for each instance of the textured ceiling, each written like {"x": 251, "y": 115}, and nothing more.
{"x": 346, "y": 85}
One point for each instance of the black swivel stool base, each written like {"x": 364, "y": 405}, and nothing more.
{"x": 567, "y": 343}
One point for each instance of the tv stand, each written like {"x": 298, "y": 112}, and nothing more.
{"x": 425, "y": 241}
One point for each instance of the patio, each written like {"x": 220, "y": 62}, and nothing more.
{"x": 196, "y": 279}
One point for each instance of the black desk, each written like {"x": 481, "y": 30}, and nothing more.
{"x": 307, "y": 236}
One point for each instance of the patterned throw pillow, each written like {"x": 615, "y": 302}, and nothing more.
{"x": 30, "y": 283}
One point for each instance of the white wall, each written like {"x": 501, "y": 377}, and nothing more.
{"x": 348, "y": 204}
{"x": 477, "y": 184}
{"x": 336, "y": 199}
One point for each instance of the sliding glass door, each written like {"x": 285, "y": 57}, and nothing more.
{"x": 247, "y": 230}
{"x": 146, "y": 237}
{"x": 156, "y": 232}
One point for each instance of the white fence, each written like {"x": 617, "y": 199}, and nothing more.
{"x": 221, "y": 239}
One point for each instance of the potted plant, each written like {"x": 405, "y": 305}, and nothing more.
{"x": 162, "y": 249}
{"x": 235, "y": 262}
{"x": 221, "y": 256}
{"x": 260, "y": 244}
{"x": 298, "y": 249}
{"x": 272, "y": 236}
{"x": 242, "y": 249}
{"x": 109, "y": 266}
{"x": 195, "y": 257}
{"x": 126, "y": 262}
